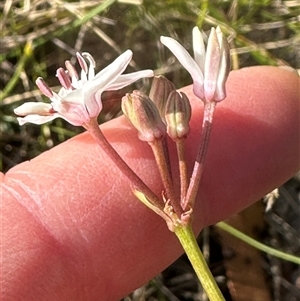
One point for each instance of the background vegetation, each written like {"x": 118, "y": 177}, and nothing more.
{"x": 37, "y": 36}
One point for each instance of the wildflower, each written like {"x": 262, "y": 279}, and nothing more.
{"x": 79, "y": 99}
{"x": 209, "y": 68}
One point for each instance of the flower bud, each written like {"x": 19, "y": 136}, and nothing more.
{"x": 159, "y": 93}
{"x": 178, "y": 115}
{"x": 144, "y": 116}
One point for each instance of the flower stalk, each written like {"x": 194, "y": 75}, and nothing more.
{"x": 188, "y": 241}
{"x": 190, "y": 198}
{"x": 136, "y": 182}
{"x": 178, "y": 113}
{"x": 159, "y": 154}
{"x": 183, "y": 171}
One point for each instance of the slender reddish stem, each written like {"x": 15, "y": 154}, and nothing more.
{"x": 200, "y": 160}
{"x": 166, "y": 153}
{"x": 161, "y": 161}
{"x": 182, "y": 168}
{"x": 135, "y": 181}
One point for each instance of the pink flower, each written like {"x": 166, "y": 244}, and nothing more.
{"x": 209, "y": 68}
{"x": 79, "y": 99}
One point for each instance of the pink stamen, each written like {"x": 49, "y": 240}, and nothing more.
{"x": 89, "y": 58}
{"x": 64, "y": 78}
{"x": 71, "y": 70}
{"x": 44, "y": 88}
{"x": 92, "y": 65}
{"x": 82, "y": 62}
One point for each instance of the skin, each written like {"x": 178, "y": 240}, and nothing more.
{"x": 71, "y": 228}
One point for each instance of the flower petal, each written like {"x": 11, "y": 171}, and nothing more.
{"x": 75, "y": 97}
{"x": 111, "y": 72}
{"x": 199, "y": 48}
{"x": 37, "y": 119}
{"x": 72, "y": 108}
{"x": 187, "y": 62}
{"x": 74, "y": 113}
{"x": 34, "y": 108}
{"x": 212, "y": 62}
{"x": 127, "y": 79}
{"x": 95, "y": 105}
{"x": 104, "y": 78}
{"x": 224, "y": 66}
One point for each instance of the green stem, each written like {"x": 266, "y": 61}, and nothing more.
{"x": 188, "y": 241}
{"x": 252, "y": 242}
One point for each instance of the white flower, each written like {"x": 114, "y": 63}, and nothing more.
{"x": 79, "y": 99}
{"x": 209, "y": 69}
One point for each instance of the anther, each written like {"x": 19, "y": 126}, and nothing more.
{"x": 44, "y": 88}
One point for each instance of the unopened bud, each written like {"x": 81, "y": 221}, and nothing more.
{"x": 178, "y": 115}
{"x": 144, "y": 116}
{"x": 159, "y": 93}
{"x": 36, "y": 108}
